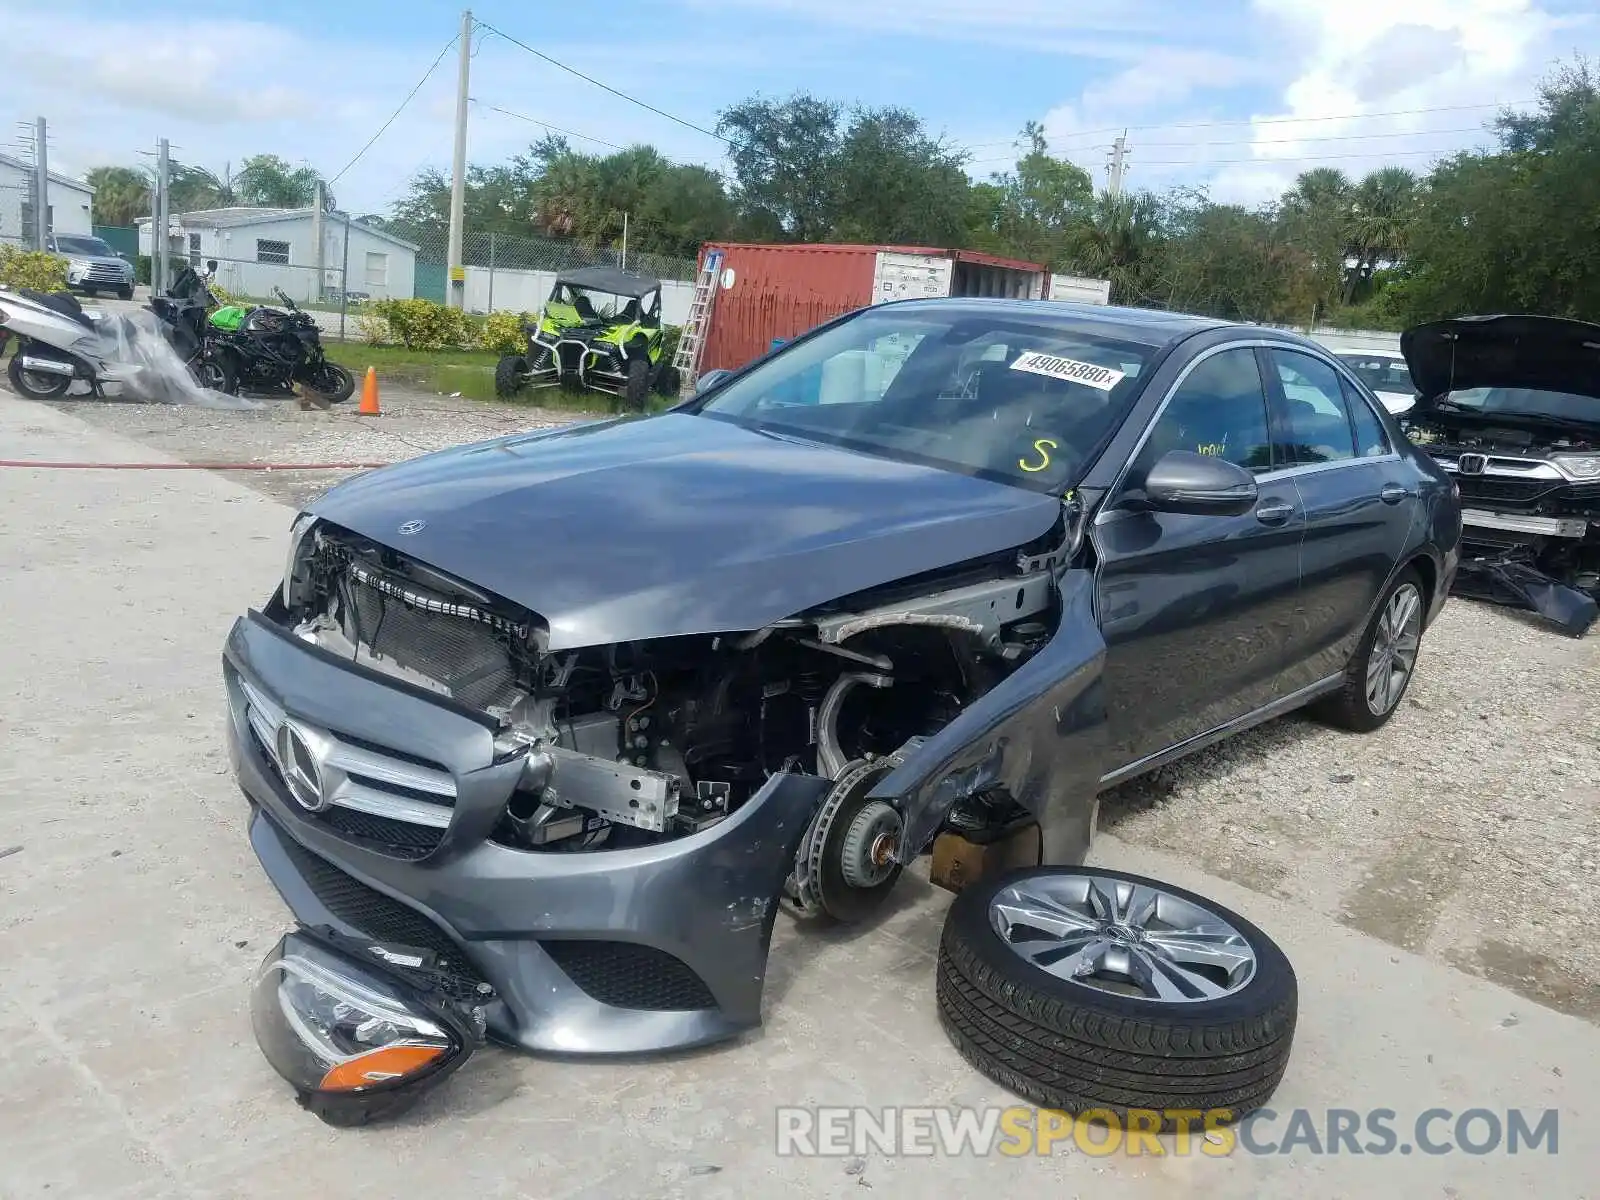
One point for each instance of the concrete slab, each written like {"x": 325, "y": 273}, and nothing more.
{"x": 133, "y": 914}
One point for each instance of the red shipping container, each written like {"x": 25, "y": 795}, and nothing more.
{"x": 769, "y": 292}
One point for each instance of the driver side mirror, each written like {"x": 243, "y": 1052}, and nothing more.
{"x": 1201, "y": 484}
{"x": 710, "y": 380}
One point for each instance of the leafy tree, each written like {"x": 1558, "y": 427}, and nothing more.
{"x": 783, "y": 154}
{"x": 121, "y": 195}
{"x": 267, "y": 181}
{"x": 1043, "y": 201}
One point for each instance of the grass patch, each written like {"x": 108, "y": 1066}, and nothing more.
{"x": 469, "y": 372}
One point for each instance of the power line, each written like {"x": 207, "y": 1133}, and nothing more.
{"x": 1358, "y": 116}
{"x": 426, "y": 75}
{"x": 506, "y": 112}
{"x": 1267, "y": 162}
{"x": 1338, "y": 137}
{"x": 660, "y": 112}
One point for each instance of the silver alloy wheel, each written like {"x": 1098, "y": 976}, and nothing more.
{"x": 1127, "y": 938}
{"x": 1394, "y": 649}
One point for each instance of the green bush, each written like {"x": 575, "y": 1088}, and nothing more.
{"x": 502, "y": 332}
{"x": 32, "y": 269}
{"x": 669, "y": 341}
{"x": 421, "y": 325}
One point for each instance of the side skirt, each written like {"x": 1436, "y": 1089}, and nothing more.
{"x": 1278, "y": 708}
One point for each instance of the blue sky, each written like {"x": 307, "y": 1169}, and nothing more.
{"x": 1236, "y": 95}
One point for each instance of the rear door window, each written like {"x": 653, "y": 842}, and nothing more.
{"x": 1314, "y": 422}
{"x": 1370, "y": 436}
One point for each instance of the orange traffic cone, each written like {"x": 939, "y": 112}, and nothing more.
{"x": 369, "y": 395}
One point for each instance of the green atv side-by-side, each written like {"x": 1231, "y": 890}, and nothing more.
{"x": 600, "y": 330}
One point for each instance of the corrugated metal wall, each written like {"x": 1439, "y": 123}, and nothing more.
{"x": 780, "y": 292}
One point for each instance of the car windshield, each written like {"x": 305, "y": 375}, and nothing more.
{"x": 83, "y": 245}
{"x": 1381, "y": 374}
{"x": 592, "y": 304}
{"x": 1001, "y": 395}
{"x": 1528, "y": 402}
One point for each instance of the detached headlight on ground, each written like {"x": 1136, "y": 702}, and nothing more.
{"x": 355, "y": 1044}
{"x": 1579, "y": 467}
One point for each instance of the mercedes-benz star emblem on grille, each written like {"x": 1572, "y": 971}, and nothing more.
{"x": 1472, "y": 464}
{"x": 300, "y": 769}
{"x": 411, "y": 527}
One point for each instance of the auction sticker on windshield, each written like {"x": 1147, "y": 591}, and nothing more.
{"x": 1069, "y": 369}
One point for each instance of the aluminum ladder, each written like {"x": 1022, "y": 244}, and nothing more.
{"x": 693, "y": 338}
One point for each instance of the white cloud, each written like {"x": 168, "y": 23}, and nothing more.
{"x": 1334, "y": 73}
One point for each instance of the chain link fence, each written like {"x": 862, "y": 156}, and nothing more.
{"x": 511, "y": 273}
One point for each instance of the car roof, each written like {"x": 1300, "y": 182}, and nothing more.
{"x": 1152, "y": 326}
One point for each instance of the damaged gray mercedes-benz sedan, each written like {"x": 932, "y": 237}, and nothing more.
{"x": 539, "y": 734}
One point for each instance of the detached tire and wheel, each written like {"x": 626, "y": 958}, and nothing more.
{"x": 1083, "y": 989}
{"x": 509, "y": 375}
{"x": 36, "y": 385}
{"x": 1380, "y": 670}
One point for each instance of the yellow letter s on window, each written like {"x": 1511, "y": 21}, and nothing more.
{"x": 1044, "y": 455}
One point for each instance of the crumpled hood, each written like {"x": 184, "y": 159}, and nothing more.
{"x": 678, "y": 524}
{"x": 1544, "y": 353}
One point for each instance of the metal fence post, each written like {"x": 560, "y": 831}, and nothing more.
{"x": 344, "y": 278}
{"x": 491, "y": 271}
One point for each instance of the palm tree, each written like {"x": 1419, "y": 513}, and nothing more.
{"x": 1316, "y": 216}
{"x": 267, "y": 181}
{"x": 1380, "y": 215}
{"x": 121, "y": 195}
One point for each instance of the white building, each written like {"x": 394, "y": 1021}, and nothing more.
{"x": 71, "y": 202}
{"x": 259, "y": 249}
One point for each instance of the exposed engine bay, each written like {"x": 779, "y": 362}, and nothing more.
{"x": 1530, "y": 522}
{"x": 641, "y": 742}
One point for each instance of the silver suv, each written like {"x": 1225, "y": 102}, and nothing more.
{"x": 93, "y": 266}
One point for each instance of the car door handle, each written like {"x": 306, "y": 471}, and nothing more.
{"x": 1393, "y": 493}
{"x": 1274, "y": 512}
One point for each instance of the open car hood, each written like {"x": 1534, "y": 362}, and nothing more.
{"x": 1543, "y": 353}
{"x": 623, "y": 530}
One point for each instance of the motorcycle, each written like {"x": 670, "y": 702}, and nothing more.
{"x": 59, "y": 343}
{"x": 184, "y": 313}
{"x": 272, "y": 349}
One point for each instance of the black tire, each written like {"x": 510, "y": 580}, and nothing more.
{"x": 1348, "y": 708}
{"x": 509, "y": 375}
{"x": 90, "y": 293}
{"x": 125, "y": 293}
{"x": 332, "y": 382}
{"x": 668, "y": 380}
{"x": 1077, "y": 1048}
{"x": 27, "y": 383}
{"x": 637, "y": 393}
{"x": 219, "y": 373}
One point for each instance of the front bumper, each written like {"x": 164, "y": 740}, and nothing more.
{"x": 632, "y": 950}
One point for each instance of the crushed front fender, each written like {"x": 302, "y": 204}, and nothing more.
{"x": 1040, "y": 734}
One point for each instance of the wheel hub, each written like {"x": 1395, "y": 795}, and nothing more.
{"x": 1116, "y": 936}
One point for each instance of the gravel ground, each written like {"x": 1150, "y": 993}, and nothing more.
{"x": 280, "y": 431}
{"x": 1468, "y": 829}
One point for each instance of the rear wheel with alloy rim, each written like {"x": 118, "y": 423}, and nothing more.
{"x": 36, "y": 385}
{"x": 1380, "y": 670}
{"x": 1087, "y": 990}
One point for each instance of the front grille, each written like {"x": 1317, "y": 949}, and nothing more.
{"x": 392, "y": 802}
{"x": 379, "y": 917}
{"x": 398, "y": 839}
{"x": 625, "y": 975}
{"x": 465, "y": 656}
{"x": 1524, "y": 494}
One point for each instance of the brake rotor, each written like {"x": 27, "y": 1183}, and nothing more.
{"x": 847, "y": 865}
